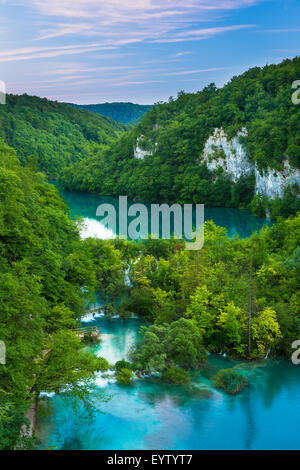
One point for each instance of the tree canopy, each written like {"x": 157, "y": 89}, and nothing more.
{"x": 46, "y": 276}
{"x": 174, "y": 135}
{"x": 51, "y": 135}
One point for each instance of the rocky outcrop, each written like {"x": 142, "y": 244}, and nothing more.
{"x": 272, "y": 183}
{"x": 139, "y": 152}
{"x": 231, "y": 155}
{"x": 219, "y": 151}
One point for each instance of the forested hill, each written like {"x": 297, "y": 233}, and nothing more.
{"x": 126, "y": 113}
{"x": 52, "y": 133}
{"x": 162, "y": 158}
{"x": 46, "y": 276}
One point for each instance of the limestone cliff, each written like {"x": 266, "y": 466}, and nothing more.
{"x": 231, "y": 155}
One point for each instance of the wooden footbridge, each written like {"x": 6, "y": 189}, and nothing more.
{"x": 89, "y": 331}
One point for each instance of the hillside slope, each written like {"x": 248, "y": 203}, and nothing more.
{"x": 126, "y": 113}
{"x": 210, "y": 147}
{"x": 46, "y": 277}
{"x": 53, "y": 133}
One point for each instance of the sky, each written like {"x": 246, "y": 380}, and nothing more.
{"x": 142, "y": 51}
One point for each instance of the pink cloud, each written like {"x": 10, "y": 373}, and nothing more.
{"x": 146, "y": 17}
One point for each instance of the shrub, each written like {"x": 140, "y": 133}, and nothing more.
{"x": 123, "y": 365}
{"x": 176, "y": 375}
{"x": 230, "y": 381}
{"x": 124, "y": 376}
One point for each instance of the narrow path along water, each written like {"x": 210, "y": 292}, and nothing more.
{"x": 152, "y": 415}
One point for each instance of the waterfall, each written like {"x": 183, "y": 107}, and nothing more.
{"x": 127, "y": 280}
{"x": 268, "y": 352}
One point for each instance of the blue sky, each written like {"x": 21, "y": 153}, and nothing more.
{"x": 92, "y": 51}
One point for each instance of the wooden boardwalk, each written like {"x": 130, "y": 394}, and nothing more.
{"x": 91, "y": 331}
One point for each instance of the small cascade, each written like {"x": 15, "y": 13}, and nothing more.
{"x": 268, "y": 352}
{"x": 127, "y": 280}
{"x": 92, "y": 315}
{"x": 47, "y": 394}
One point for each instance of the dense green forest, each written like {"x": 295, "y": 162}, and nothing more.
{"x": 46, "y": 275}
{"x": 53, "y": 134}
{"x": 239, "y": 296}
{"x": 234, "y": 295}
{"x": 126, "y": 113}
{"x": 175, "y": 133}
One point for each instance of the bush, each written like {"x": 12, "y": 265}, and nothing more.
{"x": 230, "y": 381}
{"x": 124, "y": 376}
{"x": 122, "y": 365}
{"x": 176, "y": 375}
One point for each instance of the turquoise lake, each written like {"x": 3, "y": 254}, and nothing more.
{"x": 152, "y": 415}
{"x": 84, "y": 205}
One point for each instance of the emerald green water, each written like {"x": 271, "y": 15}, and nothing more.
{"x": 242, "y": 223}
{"x": 152, "y": 415}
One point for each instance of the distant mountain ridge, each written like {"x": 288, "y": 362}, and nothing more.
{"x": 125, "y": 113}
{"x": 54, "y": 134}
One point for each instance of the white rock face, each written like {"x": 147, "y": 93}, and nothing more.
{"x": 272, "y": 183}
{"x": 235, "y": 162}
{"x": 139, "y": 153}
